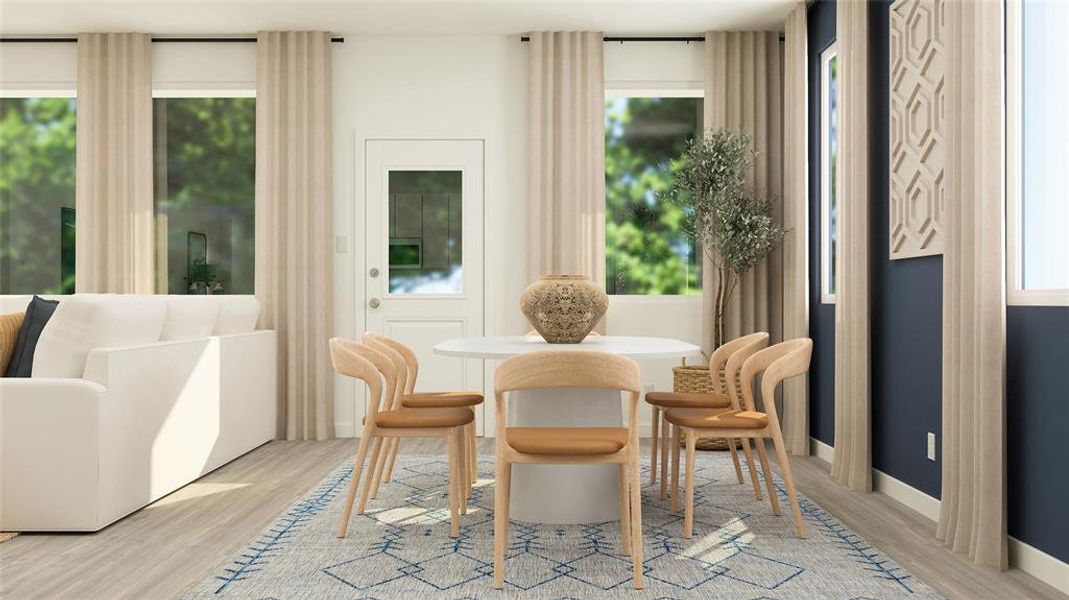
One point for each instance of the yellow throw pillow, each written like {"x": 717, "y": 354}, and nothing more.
{"x": 9, "y": 334}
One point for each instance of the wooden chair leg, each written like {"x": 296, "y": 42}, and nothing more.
{"x": 688, "y": 501}
{"x": 455, "y": 473}
{"x": 354, "y": 482}
{"x": 769, "y": 485}
{"x": 395, "y": 447}
{"x": 473, "y": 440}
{"x": 665, "y": 434}
{"x": 750, "y": 466}
{"x": 673, "y": 490}
{"x": 502, "y": 489}
{"x": 625, "y": 510}
{"x": 380, "y": 466}
{"x": 735, "y": 459}
{"x": 376, "y": 447}
{"x": 636, "y": 521}
{"x": 655, "y": 441}
{"x": 463, "y": 479}
{"x": 788, "y": 482}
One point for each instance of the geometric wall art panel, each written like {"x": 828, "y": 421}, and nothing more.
{"x": 918, "y": 127}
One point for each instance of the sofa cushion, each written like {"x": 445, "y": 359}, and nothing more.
{"x": 237, "y": 314}
{"x": 10, "y": 324}
{"x": 38, "y": 314}
{"x": 190, "y": 317}
{"x": 87, "y": 321}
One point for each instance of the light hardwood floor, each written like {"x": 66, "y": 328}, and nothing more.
{"x": 165, "y": 549}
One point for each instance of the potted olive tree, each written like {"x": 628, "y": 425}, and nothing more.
{"x": 722, "y": 211}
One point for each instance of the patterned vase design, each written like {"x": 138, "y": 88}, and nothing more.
{"x": 564, "y": 308}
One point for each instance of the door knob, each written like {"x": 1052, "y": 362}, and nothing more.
{"x": 374, "y": 303}
{"x": 374, "y": 272}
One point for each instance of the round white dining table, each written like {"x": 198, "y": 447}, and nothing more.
{"x": 564, "y": 493}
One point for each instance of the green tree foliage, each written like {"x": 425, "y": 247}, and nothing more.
{"x": 736, "y": 228}
{"x": 205, "y": 173}
{"x": 647, "y": 249}
{"x": 37, "y": 150}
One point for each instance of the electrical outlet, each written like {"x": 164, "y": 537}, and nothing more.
{"x": 341, "y": 244}
{"x": 931, "y": 446}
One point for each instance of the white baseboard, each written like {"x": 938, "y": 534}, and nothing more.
{"x": 344, "y": 430}
{"x": 1039, "y": 564}
{"x": 1029, "y": 559}
{"x": 821, "y": 450}
{"x": 906, "y": 494}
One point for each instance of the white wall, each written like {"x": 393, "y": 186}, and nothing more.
{"x": 462, "y": 87}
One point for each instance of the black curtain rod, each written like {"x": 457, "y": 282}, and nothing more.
{"x": 615, "y": 38}
{"x": 337, "y": 40}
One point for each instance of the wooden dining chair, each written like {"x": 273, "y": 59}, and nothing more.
{"x": 409, "y": 398}
{"x": 779, "y": 362}
{"x": 724, "y": 396}
{"x": 569, "y": 445}
{"x": 383, "y": 423}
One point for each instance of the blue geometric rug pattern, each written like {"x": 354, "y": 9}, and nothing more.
{"x": 400, "y": 548}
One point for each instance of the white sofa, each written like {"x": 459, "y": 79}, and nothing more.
{"x": 131, "y": 398}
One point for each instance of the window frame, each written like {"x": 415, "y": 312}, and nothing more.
{"x": 47, "y": 90}
{"x": 631, "y": 89}
{"x": 826, "y": 297}
{"x": 1016, "y": 294}
{"x": 159, "y": 224}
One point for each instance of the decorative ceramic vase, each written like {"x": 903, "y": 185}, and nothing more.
{"x": 564, "y": 308}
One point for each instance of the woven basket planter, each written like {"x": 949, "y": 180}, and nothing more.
{"x": 694, "y": 379}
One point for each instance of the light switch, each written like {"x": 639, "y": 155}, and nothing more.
{"x": 931, "y": 446}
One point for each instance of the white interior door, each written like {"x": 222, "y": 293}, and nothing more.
{"x": 424, "y": 236}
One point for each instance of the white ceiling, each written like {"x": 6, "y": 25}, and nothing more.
{"x": 398, "y": 17}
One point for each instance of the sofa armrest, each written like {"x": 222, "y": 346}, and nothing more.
{"x": 49, "y": 434}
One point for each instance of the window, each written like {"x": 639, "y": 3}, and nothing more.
{"x": 205, "y": 167}
{"x": 646, "y": 251}
{"x": 1037, "y": 144}
{"x": 37, "y": 147}
{"x": 426, "y": 232}
{"x": 829, "y": 119}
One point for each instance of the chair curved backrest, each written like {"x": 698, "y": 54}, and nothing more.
{"x": 344, "y": 354}
{"x": 568, "y": 369}
{"x": 720, "y": 357}
{"x": 781, "y": 361}
{"x": 748, "y": 345}
{"x": 411, "y": 361}
{"x": 378, "y": 342}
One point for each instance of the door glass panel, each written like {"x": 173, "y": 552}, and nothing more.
{"x": 425, "y": 248}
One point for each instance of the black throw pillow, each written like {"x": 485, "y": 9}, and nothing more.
{"x": 37, "y": 314}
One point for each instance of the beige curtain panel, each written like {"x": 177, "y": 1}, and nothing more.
{"x": 566, "y": 164}
{"x": 294, "y": 230}
{"x": 972, "y": 516}
{"x": 115, "y": 245}
{"x": 852, "y": 465}
{"x": 795, "y": 218}
{"x": 743, "y": 76}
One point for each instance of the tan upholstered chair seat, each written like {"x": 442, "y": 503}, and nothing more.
{"x": 717, "y": 419}
{"x": 441, "y": 399}
{"x": 424, "y": 417}
{"x": 566, "y": 441}
{"x": 688, "y": 400}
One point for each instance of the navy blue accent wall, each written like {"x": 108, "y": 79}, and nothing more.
{"x": 907, "y": 341}
{"x": 1037, "y": 426}
{"x": 906, "y": 310}
{"x": 821, "y": 31}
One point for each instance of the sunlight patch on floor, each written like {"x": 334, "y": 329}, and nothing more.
{"x": 196, "y": 490}
{"x": 410, "y": 515}
{"x": 718, "y": 545}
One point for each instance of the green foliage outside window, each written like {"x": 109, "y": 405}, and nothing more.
{"x": 37, "y": 154}
{"x": 205, "y": 178}
{"x": 647, "y": 250}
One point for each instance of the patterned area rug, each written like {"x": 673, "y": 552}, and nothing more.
{"x": 400, "y": 548}
{"x": 7, "y": 535}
